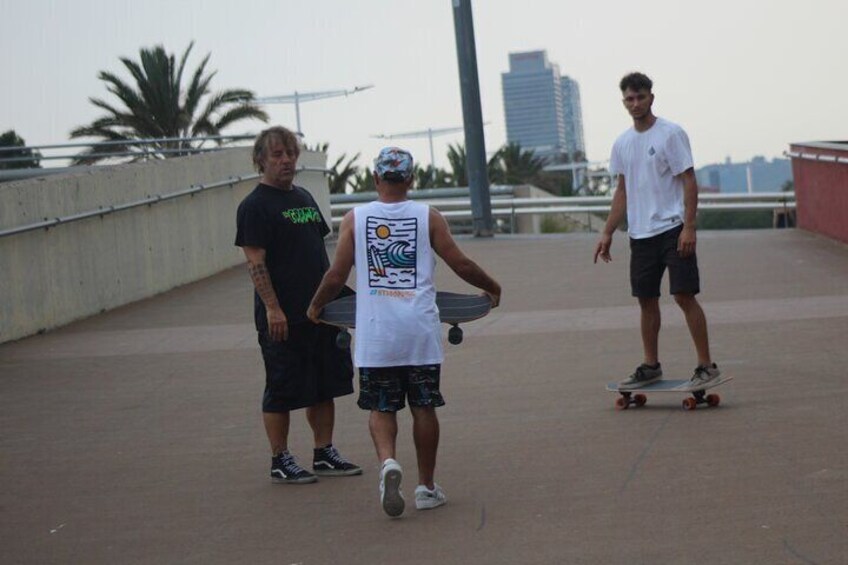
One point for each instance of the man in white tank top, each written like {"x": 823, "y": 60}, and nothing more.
{"x": 398, "y": 336}
{"x": 659, "y": 193}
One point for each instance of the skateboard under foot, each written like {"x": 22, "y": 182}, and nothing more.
{"x": 637, "y": 397}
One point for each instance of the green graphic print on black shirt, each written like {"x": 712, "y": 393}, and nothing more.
{"x": 288, "y": 225}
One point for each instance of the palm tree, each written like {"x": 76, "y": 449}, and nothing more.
{"x": 13, "y": 146}
{"x": 431, "y": 178}
{"x": 459, "y": 166}
{"x": 363, "y": 181}
{"x": 340, "y": 179}
{"x": 520, "y": 166}
{"x": 159, "y": 106}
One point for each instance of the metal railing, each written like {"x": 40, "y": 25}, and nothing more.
{"x": 106, "y": 210}
{"x": 146, "y": 152}
{"x": 818, "y": 157}
{"x": 144, "y": 144}
{"x": 459, "y": 207}
{"x": 102, "y": 211}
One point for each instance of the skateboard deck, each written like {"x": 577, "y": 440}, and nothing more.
{"x": 454, "y": 309}
{"x": 636, "y": 397}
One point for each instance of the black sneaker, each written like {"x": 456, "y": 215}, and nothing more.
{"x": 285, "y": 470}
{"x": 643, "y": 375}
{"x": 327, "y": 461}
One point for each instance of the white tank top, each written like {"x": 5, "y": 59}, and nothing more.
{"x": 397, "y": 321}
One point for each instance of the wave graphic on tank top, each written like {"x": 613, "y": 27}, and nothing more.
{"x": 392, "y": 252}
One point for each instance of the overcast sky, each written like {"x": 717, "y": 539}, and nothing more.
{"x": 744, "y": 77}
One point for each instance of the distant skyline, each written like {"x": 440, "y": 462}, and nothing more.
{"x": 744, "y": 78}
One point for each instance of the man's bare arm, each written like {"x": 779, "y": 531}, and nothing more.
{"x": 444, "y": 245}
{"x": 335, "y": 278}
{"x": 277, "y": 322}
{"x": 618, "y": 210}
{"x": 687, "y": 241}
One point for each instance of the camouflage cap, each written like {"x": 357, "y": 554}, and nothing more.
{"x": 394, "y": 164}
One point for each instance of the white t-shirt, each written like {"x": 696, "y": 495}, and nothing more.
{"x": 397, "y": 321}
{"x": 650, "y": 162}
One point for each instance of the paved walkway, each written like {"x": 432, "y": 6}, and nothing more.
{"x": 135, "y": 436}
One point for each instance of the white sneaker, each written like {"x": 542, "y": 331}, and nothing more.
{"x": 390, "y": 496}
{"x": 426, "y": 498}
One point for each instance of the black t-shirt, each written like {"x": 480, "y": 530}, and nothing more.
{"x": 288, "y": 225}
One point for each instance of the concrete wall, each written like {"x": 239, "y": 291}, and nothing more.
{"x": 821, "y": 188}
{"x": 532, "y": 223}
{"x": 50, "y": 277}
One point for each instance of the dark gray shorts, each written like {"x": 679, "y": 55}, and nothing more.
{"x": 649, "y": 259}
{"x": 386, "y": 389}
{"x": 306, "y": 369}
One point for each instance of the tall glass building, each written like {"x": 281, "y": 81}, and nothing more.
{"x": 573, "y": 117}
{"x": 542, "y": 108}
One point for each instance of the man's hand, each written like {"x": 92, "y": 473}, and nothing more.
{"x": 602, "y": 249}
{"x": 686, "y": 241}
{"x": 495, "y": 297}
{"x": 312, "y": 313}
{"x": 278, "y": 324}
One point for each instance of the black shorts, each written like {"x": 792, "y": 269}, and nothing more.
{"x": 650, "y": 257}
{"x": 385, "y": 389}
{"x": 305, "y": 369}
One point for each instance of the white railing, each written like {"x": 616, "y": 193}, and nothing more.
{"x": 460, "y": 208}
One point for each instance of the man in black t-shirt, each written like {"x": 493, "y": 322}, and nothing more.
{"x": 281, "y": 231}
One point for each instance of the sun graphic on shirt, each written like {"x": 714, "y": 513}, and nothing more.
{"x": 383, "y": 231}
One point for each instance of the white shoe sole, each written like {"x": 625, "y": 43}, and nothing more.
{"x": 393, "y": 502}
{"x": 301, "y": 481}
{"x": 429, "y": 503}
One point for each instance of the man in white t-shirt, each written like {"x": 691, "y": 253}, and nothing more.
{"x": 392, "y": 241}
{"x": 659, "y": 193}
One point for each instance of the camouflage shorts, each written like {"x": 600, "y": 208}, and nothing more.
{"x": 386, "y": 389}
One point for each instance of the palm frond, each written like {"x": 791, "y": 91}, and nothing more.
{"x": 155, "y": 104}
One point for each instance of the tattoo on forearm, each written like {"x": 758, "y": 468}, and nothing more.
{"x": 262, "y": 282}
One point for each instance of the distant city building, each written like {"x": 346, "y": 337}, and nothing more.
{"x": 541, "y": 107}
{"x": 573, "y": 116}
{"x": 764, "y": 176}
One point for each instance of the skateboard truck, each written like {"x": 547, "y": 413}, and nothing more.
{"x": 628, "y": 399}
{"x": 454, "y": 337}
{"x": 343, "y": 339}
{"x": 455, "y": 334}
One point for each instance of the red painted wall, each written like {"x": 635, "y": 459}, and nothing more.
{"x": 821, "y": 188}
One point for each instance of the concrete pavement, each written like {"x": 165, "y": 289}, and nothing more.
{"x": 135, "y": 436}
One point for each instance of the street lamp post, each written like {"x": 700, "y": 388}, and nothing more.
{"x": 472, "y": 117}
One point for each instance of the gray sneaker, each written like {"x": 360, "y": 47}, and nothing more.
{"x": 643, "y": 375}
{"x": 704, "y": 374}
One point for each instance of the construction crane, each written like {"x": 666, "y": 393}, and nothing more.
{"x": 297, "y": 97}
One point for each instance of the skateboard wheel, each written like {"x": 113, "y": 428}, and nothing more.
{"x": 343, "y": 340}
{"x": 455, "y": 335}
{"x": 622, "y": 403}
{"x": 640, "y": 399}
{"x": 689, "y": 404}
{"x": 713, "y": 399}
